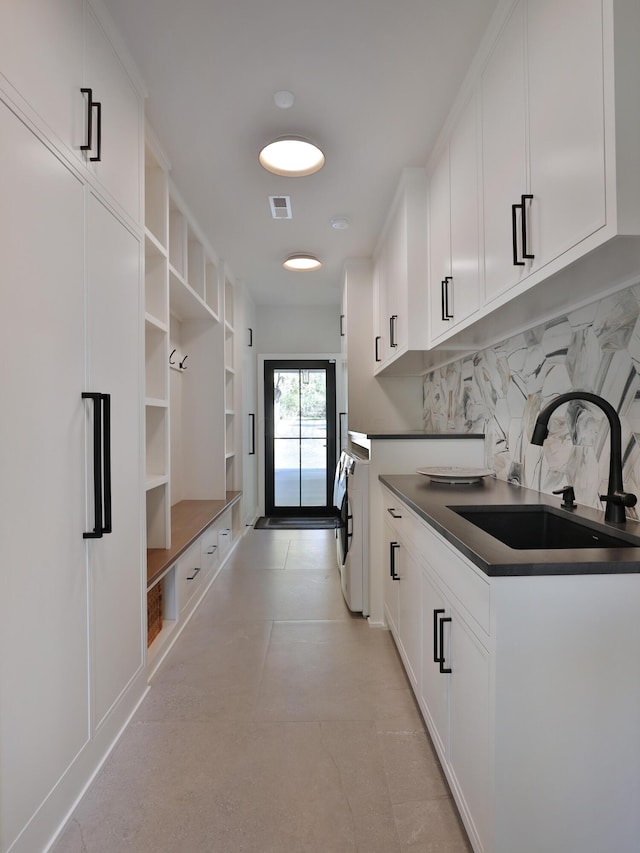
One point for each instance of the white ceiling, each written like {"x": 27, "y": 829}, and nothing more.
{"x": 373, "y": 81}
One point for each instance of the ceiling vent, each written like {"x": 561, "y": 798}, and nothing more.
{"x": 280, "y": 206}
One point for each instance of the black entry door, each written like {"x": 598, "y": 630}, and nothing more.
{"x": 300, "y": 437}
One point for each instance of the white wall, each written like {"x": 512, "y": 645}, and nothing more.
{"x": 298, "y": 329}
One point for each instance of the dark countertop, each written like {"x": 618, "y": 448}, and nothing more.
{"x": 431, "y": 501}
{"x": 396, "y": 436}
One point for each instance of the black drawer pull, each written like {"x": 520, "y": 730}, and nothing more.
{"x": 392, "y": 512}
{"x": 195, "y": 573}
{"x": 443, "y": 668}
{"x": 393, "y": 546}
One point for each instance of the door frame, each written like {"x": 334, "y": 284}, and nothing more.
{"x": 260, "y": 427}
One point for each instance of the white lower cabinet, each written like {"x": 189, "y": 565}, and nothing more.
{"x": 530, "y": 689}
{"x": 189, "y": 575}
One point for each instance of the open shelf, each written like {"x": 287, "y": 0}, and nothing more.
{"x": 155, "y": 281}
{"x": 155, "y": 196}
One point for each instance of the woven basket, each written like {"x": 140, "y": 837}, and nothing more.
{"x": 154, "y": 612}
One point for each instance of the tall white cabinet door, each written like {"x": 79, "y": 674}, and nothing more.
{"x": 48, "y": 74}
{"x": 434, "y": 687}
{"x": 115, "y": 564}
{"x": 464, "y": 290}
{"x": 43, "y": 576}
{"x": 505, "y": 176}
{"x": 121, "y": 120}
{"x": 410, "y": 612}
{"x": 566, "y": 125}
{"x": 469, "y": 720}
{"x": 250, "y": 414}
{"x": 439, "y": 242}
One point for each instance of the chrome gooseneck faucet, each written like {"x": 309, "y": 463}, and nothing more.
{"x": 616, "y": 498}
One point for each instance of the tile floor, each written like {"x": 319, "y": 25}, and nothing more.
{"x": 279, "y": 723}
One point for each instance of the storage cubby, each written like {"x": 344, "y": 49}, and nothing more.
{"x": 177, "y": 239}
{"x": 156, "y": 433}
{"x": 155, "y": 196}
{"x": 156, "y": 303}
{"x": 158, "y": 534}
{"x": 155, "y": 361}
{"x": 212, "y": 287}
{"x": 195, "y": 264}
{"x": 228, "y": 304}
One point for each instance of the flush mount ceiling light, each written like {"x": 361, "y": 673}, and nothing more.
{"x": 291, "y": 156}
{"x": 302, "y": 262}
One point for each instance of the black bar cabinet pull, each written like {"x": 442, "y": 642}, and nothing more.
{"x": 523, "y": 208}
{"x": 378, "y": 339}
{"x": 250, "y": 337}
{"x": 101, "y": 464}
{"x": 443, "y": 668}
{"x": 392, "y": 512}
{"x": 514, "y": 235}
{"x": 88, "y": 144}
{"x": 443, "y": 285}
{"x": 393, "y": 546}
{"x": 392, "y": 330}
{"x": 194, "y": 575}
{"x": 447, "y": 315}
{"x": 98, "y": 156}
{"x": 436, "y": 654}
{"x": 106, "y": 460}
{"x": 342, "y": 325}
{"x": 252, "y": 433}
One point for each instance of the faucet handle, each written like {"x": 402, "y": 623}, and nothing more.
{"x": 620, "y": 499}
{"x": 568, "y": 496}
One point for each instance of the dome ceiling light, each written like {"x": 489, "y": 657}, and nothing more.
{"x": 302, "y": 262}
{"x": 291, "y": 156}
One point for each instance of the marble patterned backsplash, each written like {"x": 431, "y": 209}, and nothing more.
{"x": 500, "y": 390}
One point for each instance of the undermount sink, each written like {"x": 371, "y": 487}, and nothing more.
{"x": 541, "y": 527}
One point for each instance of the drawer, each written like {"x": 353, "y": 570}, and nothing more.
{"x": 209, "y": 550}
{"x": 223, "y": 526}
{"x": 189, "y": 574}
{"x": 395, "y": 512}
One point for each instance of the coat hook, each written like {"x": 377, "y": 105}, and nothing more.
{"x": 171, "y": 357}
{"x": 181, "y": 365}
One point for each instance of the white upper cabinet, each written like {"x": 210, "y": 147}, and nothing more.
{"x": 118, "y": 138}
{"x": 400, "y": 275}
{"x": 49, "y": 76}
{"x": 75, "y": 82}
{"x": 454, "y": 221}
{"x": 566, "y": 124}
{"x": 543, "y": 137}
{"x": 504, "y": 166}
{"x": 558, "y": 183}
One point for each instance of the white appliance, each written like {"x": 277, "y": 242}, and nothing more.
{"x": 351, "y": 498}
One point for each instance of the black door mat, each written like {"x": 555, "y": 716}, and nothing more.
{"x": 291, "y": 523}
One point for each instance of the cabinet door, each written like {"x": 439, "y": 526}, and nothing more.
{"x": 380, "y": 315}
{"x": 505, "y": 176}
{"x": 434, "y": 688}
{"x": 390, "y": 585}
{"x": 439, "y": 243}
{"x": 113, "y": 359}
{"x": 121, "y": 120}
{"x": 396, "y": 282}
{"x": 463, "y": 291}
{"x": 410, "y": 612}
{"x": 43, "y": 587}
{"x": 566, "y": 124}
{"x": 47, "y": 73}
{"x": 469, "y": 720}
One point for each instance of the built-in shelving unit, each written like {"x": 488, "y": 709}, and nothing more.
{"x": 190, "y": 399}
